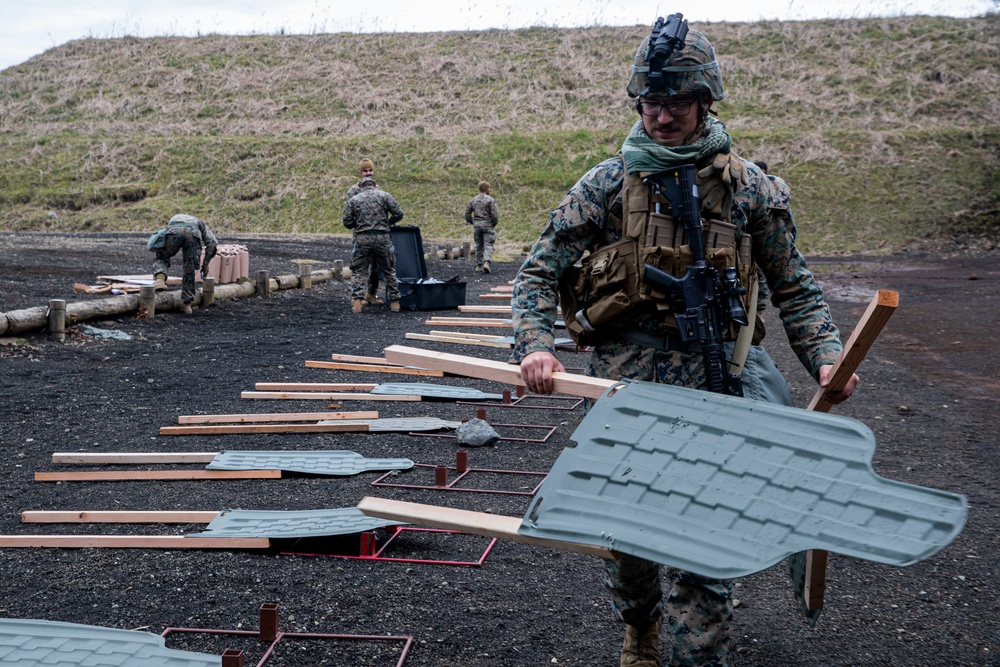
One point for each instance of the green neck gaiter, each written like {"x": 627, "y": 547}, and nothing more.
{"x": 641, "y": 153}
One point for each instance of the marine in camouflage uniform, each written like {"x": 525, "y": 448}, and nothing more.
{"x": 697, "y": 610}
{"x": 187, "y": 234}
{"x": 483, "y": 215}
{"x": 369, "y": 215}
{"x": 367, "y": 171}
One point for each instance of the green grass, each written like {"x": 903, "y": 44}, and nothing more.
{"x": 886, "y": 129}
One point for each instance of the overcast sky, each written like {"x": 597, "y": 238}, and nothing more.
{"x": 29, "y": 27}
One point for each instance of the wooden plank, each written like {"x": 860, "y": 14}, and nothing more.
{"x": 327, "y": 396}
{"x": 497, "y": 371}
{"x": 879, "y": 310}
{"x": 133, "y": 475}
{"x": 356, "y": 359}
{"x": 133, "y": 542}
{"x": 506, "y": 289}
{"x": 473, "y": 523}
{"x": 468, "y": 322}
{"x": 228, "y": 429}
{"x": 468, "y": 335}
{"x": 313, "y": 386}
{"x": 277, "y": 416}
{"x": 134, "y": 458}
{"x": 497, "y": 310}
{"x": 115, "y": 516}
{"x": 398, "y": 369}
{"x": 452, "y": 339}
{"x": 505, "y": 297}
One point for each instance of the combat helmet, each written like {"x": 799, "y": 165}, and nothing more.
{"x": 691, "y": 69}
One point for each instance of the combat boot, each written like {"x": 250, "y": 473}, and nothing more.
{"x": 394, "y": 306}
{"x": 642, "y": 645}
{"x": 186, "y": 309}
{"x": 486, "y": 266}
{"x": 357, "y": 305}
{"x": 373, "y": 299}
{"x": 160, "y": 281}
{"x": 479, "y": 268}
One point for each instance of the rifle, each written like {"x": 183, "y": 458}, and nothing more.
{"x": 704, "y": 304}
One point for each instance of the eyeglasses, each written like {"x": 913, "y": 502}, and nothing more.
{"x": 676, "y": 108}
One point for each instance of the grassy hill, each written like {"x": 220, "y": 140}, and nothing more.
{"x": 887, "y": 129}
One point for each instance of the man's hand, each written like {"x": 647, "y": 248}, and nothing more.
{"x": 537, "y": 369}
{"x": 836, "y": 396}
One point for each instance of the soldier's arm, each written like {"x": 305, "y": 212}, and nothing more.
{"x": 804, "y": 312}
{"x": 350, "y": 215}
{"x": 395, "y": 210}
{"x": 468, "y": 212}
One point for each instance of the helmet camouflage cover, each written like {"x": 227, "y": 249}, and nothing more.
{"x": 693, "y": 69}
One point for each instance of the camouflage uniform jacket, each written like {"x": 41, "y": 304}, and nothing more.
{"x": 355, "y": 189}
{"x": 590, "y": 217}
{"x": 197, "y": 228}
{"x": 371, "y": 211}
{"x": 482, "y": 208}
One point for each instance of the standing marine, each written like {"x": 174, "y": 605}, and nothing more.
{"x": 590, "y": 259}
{"x": 370, "y": 214}
{"x": 483, "y": 215}
{"x": 187, "y": 234}
{"x": 367, "y": 168}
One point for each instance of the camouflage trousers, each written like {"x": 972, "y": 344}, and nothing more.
{"x": 484, "y": 236}
{"x": 373, "y": 253}
{"x": 182, "y": 239}
{"x": 697, "y": 610}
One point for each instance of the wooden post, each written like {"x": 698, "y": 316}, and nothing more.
{"x": 147, "y": 300}
{"x": 263, "y": 284}
{"x": 57, "y": 318}
{"x": 466, "y": 248}
{"x": 207, "y": 292}
{"x": 338, "y": 269}
{"x": 306, "y": 276}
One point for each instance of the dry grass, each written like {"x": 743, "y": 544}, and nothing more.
{"x": 264, "y": 132}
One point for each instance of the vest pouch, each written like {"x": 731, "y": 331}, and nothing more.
{"x": 718, "y": 234}
{"x": 663, "y": 230}
{"x": 157, "y": 240}
{"x": 607, "y": 270}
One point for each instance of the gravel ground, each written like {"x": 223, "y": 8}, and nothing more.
{"x": 929, "y": 393}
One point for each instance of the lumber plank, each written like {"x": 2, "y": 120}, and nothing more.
{"x": 357, "y": 359}
{"x": 497, "y": 371}
{"x": 469, "y": 322}
{"x": 328, "y": 396}
{"x": 277, "y": 416}
{"x": 133, "y": 457}
{"x": 314, "y": 386}
{"x": 115, "y": 516}
{"x": 133, "y": 542}
{"x": 455, "y": 339}
{"x": 133, "y": 475}
{"x": 505, "y": 297}
{"x": 467, "y": 335}
{"x": 879, "y": 310}
{"x": 398, "y": 368}
{"x": 474, "y": 523}
{"x": 496, "y": 310}
{"x": 228, "y": 429}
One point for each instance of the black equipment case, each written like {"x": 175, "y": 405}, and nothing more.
{"x": 416, "y": 290}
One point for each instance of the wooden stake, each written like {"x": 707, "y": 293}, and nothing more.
{"x": 113, "y": 516}
{"x": 207, "y": 292}
{"x": 229, "y": 429}
{"x": 879, "y": 310}
{"x": 133, "y": 542}
{"x": 134, "y": 457}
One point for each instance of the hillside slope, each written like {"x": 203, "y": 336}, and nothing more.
{"x": 887, "y": 129}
